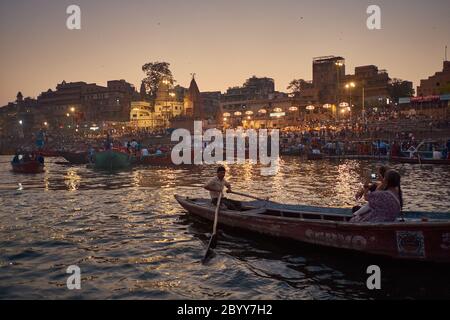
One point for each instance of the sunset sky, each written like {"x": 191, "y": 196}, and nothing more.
{"x": 223, "y": 42}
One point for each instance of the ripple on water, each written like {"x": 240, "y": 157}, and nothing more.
{"x": 133, "y": 241}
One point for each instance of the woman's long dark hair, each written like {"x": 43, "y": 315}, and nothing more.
{"x": 393, "y": 181}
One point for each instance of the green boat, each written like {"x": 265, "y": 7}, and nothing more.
{"x": 112, "y": 160}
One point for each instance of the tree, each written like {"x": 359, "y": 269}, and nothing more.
{"x": 156, "y": 72}
{"x": 398, "y": 89}
{"x": 143, "y": 90}
{"x": 296, "y": 86}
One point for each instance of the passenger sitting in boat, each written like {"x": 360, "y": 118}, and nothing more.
{"x": 215, "y": 187}
{"x": 381, "y": 172}
{"x": 108, "y": 142}
{"x": 384, "y": 205}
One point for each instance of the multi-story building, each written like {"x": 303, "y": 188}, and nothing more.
{"x": 437, "y": 84}
{"x": 143, "y": 115}
{"x": 370, "y": 82}
{"x": 78, "y": 102}
{"x": 328, "y": 75}
{"x": 257, "y": 105}
{"x": 18, "y": 118}
{"x": 111, "y": 103}
{"x": 211, "y": 104}
{"x": 167, "y": 102}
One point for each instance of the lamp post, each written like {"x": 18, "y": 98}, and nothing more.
{"x": 350, "y": 86}
{"x": 338, "y": 64}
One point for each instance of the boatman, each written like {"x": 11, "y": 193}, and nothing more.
{"x": 215, "y": 187}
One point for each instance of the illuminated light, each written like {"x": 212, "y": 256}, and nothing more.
{"x": 310, "y": 108}
{"x": 226, "y": 114}
{"x": 76, "y": 130}
{"x": 278, "y": 110}
{"x": 225, "y": 119}
{"x": 45, "y": 123}
{"x": 20, "y": 122}
{"x": 72, "y": 109}
{"x": 249, "y": 117}
{"x": 249, "y": 113}
{"x": 293, "y": 109}
{"x": 327, "y": 106}
{"x": 172, "y": 94}
{"x": 238, "y": 113}
{"x": 123, "y": 128}
{"x": 350, "y": 85}
{"x": 278, "y": 114}
{"x": 343, "y": 104}
{"x": 94, "y": 128}
{"x": 67, "y": 115}
{"x": 263, "y": 111}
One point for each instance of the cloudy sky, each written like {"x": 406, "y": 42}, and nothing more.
{"x": 222, "y": 41}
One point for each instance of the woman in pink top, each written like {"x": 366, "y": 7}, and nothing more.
{"x": 385, "y": 205}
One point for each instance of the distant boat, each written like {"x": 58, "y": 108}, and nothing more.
{"x": 315, "y": 156}
{"x": 49, "y": 153}
{"x": 420, "y": 161}
{"x": 112, "y": 160}
{"x": 75, "y": 157}
{"x": 32, "y": 166}
{"x": 164, "y": 159}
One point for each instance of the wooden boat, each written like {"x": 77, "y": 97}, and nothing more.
{"x": 315, "y": 156}
{"x": 164, "y": 159}
{"x": 112, "y": 160}
{"x": 49, "y": 153}
{"x": 412, "y": 239}
{"x": 421, "y": 161}
{"x": 32, "y": 166}
{"x": 75, "y": 157}
{"x": 357, "y": 157}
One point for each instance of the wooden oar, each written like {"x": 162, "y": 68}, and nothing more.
{"x": 213, "y": 241}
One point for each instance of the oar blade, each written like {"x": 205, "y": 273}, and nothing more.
{"x": 210, "y": 250}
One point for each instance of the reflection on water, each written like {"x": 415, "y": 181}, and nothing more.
{"x": 132, "y": 240}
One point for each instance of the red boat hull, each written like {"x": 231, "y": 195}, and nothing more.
{"x": 420, "y": 241}
{"x": 75, "y": 157}
{"x": 49, "y": 153}
{"x": 28, "y": 167}
{"x": 421, "y": 161}
{"x": 153, "y": 160}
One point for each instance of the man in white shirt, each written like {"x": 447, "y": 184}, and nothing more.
{"x": 215, "y": 187}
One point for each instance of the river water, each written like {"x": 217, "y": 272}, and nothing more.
{"x": 133, "y": 241}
